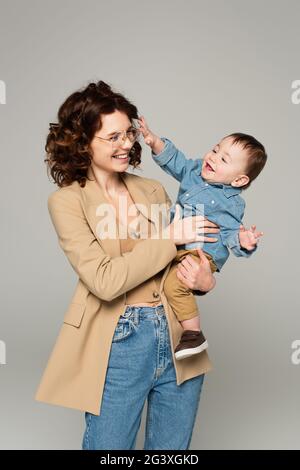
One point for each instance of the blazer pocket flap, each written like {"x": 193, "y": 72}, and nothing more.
{"x": 74, "y": 314}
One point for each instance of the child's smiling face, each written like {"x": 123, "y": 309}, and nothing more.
{"x": 226, "y": 163}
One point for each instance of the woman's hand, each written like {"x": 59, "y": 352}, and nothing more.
{"x": 189, "y": 229}
{"x": 196, "y": 275}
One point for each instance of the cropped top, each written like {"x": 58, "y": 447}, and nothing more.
{"x": 147, "y": 291}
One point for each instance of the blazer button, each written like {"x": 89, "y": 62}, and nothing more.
{"x": 155, "y": 295}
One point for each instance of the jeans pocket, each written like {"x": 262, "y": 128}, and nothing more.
{"x": 126, "y": 326}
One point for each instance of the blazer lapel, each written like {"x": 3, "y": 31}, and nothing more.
{"x": 142, "y": 192}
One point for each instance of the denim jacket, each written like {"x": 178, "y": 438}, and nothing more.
{"x": 220, "y": 203}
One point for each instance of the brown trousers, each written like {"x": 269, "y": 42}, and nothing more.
{"x": 180, "y": 297}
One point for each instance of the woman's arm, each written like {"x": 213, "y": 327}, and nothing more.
{"x": 196, "y": 276}
{"x": 107, "y": 277}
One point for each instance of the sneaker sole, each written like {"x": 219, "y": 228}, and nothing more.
{"x": 191, "y": 351}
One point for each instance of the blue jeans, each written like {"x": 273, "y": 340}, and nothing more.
{"x": 141, "y": 367}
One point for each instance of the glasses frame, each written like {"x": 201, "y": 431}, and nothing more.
{"x": 124, "y": 136}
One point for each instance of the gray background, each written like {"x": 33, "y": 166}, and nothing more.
{"x": 197, "y": 70}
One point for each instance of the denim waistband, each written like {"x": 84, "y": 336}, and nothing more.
{"x": 147, "y": 310}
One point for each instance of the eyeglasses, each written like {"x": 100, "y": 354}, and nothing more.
{"x": 119, "y": 137}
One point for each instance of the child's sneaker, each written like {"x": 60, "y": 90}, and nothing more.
{"x": 191, "y": 342}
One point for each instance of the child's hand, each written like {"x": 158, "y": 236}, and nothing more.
{"x": 249, "y": 238}
{"x": 150, "y": 138}
{"x": 148, "y": 135}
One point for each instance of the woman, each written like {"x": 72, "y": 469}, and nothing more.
{"x": 114, "y": 350}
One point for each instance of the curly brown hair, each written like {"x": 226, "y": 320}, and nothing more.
{"x": 79, "y": 117}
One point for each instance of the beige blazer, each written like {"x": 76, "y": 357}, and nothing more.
{"x": 76, "y": 370}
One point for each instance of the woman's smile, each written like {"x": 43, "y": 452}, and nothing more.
{"x": 123, "y": 157}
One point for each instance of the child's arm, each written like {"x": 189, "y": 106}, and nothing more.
{"x": 231, "y": 239}
{"x": 165, "y": 154}
{"x": 242, "y": 242}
